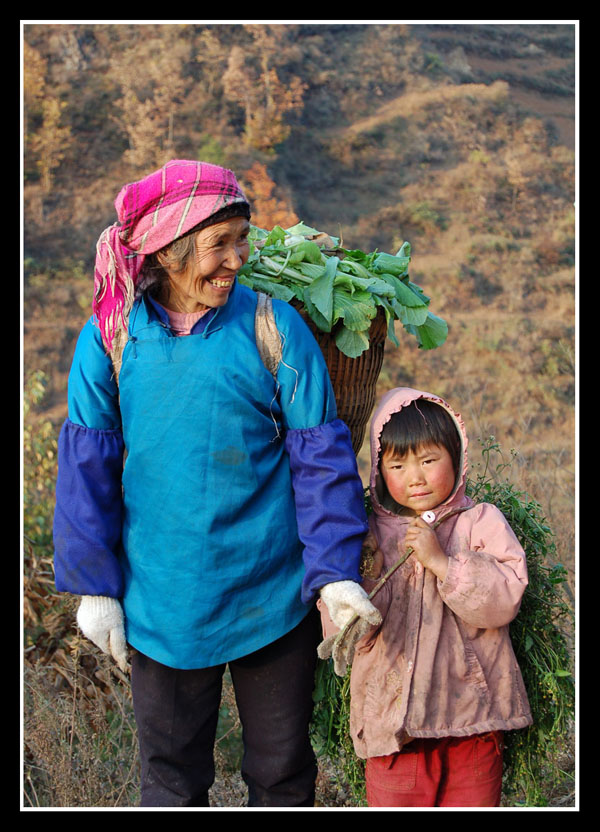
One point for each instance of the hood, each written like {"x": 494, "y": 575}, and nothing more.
{"x": 392, "y": 402}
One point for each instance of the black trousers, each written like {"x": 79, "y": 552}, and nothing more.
{"x": 176, "y": 714}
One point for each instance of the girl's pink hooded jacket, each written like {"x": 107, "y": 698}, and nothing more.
{"x": 441, "y": 663}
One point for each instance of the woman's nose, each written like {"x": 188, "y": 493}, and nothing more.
{"x": 235, "y": 256}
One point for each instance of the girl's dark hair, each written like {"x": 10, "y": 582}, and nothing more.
{"x": 421, "y": 422}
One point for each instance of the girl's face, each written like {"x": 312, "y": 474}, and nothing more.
{"x": 420, "y": 480}
{"x": 220, "y": 251}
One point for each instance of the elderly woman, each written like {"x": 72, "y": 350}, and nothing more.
{"x": 202, "y": 500}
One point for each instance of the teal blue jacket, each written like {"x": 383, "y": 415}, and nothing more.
{"x": 239, "y": 495}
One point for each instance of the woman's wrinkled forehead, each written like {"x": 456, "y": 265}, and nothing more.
{"x": 213, "y": 234}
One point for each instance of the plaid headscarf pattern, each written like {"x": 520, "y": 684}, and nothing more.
{"x": 151, "y": 214}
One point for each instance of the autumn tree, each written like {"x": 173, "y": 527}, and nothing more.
{"x": 46, "y": 137}
{"x": 149, "y": 74}
{"x": 34, "y": 74}
{"x": 251, "y": 81}
{"x": 268, "y": 209}
{"x": 210, "y": 57}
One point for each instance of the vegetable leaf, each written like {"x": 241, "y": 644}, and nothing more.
{"x": 404, "y": 250}
{"x": 432, "y": 333}
{"x": 320, "y": 290}
{"x": 304, "y": 230}
{"x": 318, "y": 319}
{"x": 390, "y": 264}
{"x": 276, "y": 235}
{"x": 410, "y": 314}
{"x": 390, "y": 317}
{"x": 357, "y": 312}
{"x": 270, "y": 287}
{"x": 308, "y": 251}
{"x": 351, "y": 343}
{"x": 403, "y": 292}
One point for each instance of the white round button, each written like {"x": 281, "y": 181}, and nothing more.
{"x": 428, "y": 516}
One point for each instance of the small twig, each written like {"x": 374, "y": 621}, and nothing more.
{"x": 229, "y": 731}
{"x": 30, "y": 782}
{"x": 389, "y": 573}
{"x": 343, "y": 633}
{"x": 74, "y": 710}
{"x": 127, "y": 782}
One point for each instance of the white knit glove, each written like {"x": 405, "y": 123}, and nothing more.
{"x": 345, "y": 599}
{"x": 101, "y": 620}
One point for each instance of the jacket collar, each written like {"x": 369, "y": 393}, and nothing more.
{"x": 148, "y": 313}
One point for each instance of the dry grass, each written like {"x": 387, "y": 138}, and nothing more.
{"x": 79, "y": 735}
{"x": 80, "y": 743}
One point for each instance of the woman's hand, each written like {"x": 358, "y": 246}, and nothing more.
{"x": 101, "y": 620}
{"x": 345, "y": 599}
{"x": 426, "y": 548}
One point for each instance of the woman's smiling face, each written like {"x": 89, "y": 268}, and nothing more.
{"x": 220, "y": 251}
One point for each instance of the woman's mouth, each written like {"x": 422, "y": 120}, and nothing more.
{"x": 221, "y": 282}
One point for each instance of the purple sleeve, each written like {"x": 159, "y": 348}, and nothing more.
{"x": 330, "y": 507}
{"x": 88, "y": 514}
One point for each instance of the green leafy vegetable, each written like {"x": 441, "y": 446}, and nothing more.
{"x": 320, "y": 290}
{"x": 431, "y": 333}
{"x": 351, "y": 343}
{"x": 357, "y": 311}
{"x": 341, "y": 289}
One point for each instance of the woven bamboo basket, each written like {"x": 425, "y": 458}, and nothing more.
{"x": 354, "y": 380}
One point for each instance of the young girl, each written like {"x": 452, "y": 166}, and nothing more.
{"x": 435, "y": 685}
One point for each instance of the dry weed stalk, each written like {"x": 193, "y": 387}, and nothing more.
{"x": 80, "y": 747}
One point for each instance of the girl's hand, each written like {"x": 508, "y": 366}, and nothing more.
{"x": 426, "y": 548}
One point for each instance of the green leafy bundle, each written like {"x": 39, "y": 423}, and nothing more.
{"x": 341, "y": 288}
{"x": 540, "y": 637}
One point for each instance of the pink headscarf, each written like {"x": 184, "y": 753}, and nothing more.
{"x": 152, "y": 213}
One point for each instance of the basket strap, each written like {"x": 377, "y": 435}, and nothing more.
{"x": 116, "y": 352}
{"x": 268, "y": 339}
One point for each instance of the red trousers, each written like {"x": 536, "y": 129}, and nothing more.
{"x": 451, "y": 771}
